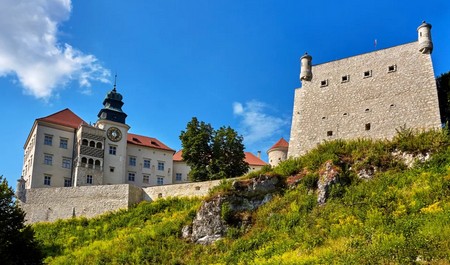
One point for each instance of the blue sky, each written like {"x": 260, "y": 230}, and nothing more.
{"x": 229, "y": 63}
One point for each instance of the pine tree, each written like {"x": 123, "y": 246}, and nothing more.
{"x": 17, "y": 244}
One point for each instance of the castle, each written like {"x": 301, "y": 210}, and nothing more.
{"x": 107, "y": 168}
{"x": 366, "y": 96}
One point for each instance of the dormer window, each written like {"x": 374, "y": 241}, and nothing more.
{"x": 324, "y": 83}
{"x": 367, "y": 74}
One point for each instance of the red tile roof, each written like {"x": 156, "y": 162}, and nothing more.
{"x": 147, "y": 142}
{"x": 250, "y": 158}
{"x": 64, "y": 117}
{"x": 253, "y": 160}
{"x": 280, "y": 144}
{"x": 178, "y": 156}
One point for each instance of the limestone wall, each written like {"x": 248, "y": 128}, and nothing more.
{"x": 365, "y": 96}
{"x": 50, "y": 204}
{"x": 191, "y": 189}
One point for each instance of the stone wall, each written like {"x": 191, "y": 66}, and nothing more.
{"x": 50, "y": 204}
{"x": 365, "y": 96}
{"x": 191, "y": 189}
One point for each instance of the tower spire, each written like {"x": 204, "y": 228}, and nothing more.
{"x": 115, "y": 81}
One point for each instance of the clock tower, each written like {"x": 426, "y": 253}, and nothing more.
{"x": 111, "y": 119}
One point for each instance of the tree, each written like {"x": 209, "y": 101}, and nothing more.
{"x": 17, "y": 243}
{"x": 212, "y": 154}
{"x": 443, "y": 86}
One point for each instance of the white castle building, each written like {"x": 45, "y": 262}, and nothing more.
{"x": 62, "y": 150}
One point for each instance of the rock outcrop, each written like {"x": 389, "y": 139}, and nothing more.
{"x": 328, "y": 175}
{"x": 410, "y": 159}
{"x": 222, "y": 211}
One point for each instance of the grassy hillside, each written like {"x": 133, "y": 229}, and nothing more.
{"x": 401, "y": 216}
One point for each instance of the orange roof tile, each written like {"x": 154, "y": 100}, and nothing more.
{"x": 253, "y": 160}
{"x": 280, "y": 144}
{"x": 64, "y": 117}
{"x": 178, "y": 156}
{"x": 147, "y": 142}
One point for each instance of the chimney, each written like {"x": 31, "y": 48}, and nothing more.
{"x": 259, "y": 154}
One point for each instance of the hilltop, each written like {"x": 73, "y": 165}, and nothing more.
{"x": 344, "y": 202}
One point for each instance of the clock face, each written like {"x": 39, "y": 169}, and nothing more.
{"x": 114, "y": 134}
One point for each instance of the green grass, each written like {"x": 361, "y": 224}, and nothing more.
{"x": 402, "y": 216}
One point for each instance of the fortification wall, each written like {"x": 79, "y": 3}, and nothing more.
{"x": 50, "y": 204}
{"x": 192, "y": 189}
{"x": 399, "y": 90}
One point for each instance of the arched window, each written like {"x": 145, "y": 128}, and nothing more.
{"x": 85, "y": 142}
{"x": 97, "y": 163}
{"x": 99, "y": 145}
{"x": 92, "y": 144}
{"x": 91, "y": 161}
{"x": 83, "y": 160}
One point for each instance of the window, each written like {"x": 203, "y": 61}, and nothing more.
{"x": 91, "y": 144}
{"x": 345, "y": 114}
{"x": 146, "y": 163}
{"x": 392, "y": 68}
{"x": 146, "y": 179}
{"x": 132, "y": 161}
{"x": 367, "y": 126}
{"x": 67, "y": 182}
{"x": 330, "y": 133}
{"x": 160, "y": 181}
{"x": 324, "y": 83}
{"x": 367, "y": 73}
{"x": 367, "y": 110}
{"x": 89, "y": 179}
{"x": 160, "y": 165}
{"x": 131, "y": 176}
{"x": 178, "y": 177}
{"x": 84, "y": 142}
{"x": 112, "y": 150}
{"x": 111, "y": 169}
{"x": 48, "y": 139}
{"x": 345, "y": 78}
{"x": 99, "y": 145}
{"x": 66, "y": 162}
{"x": 47, "y": 180}
{"x": 63, "y": 143}
{"x": 48, "y": 159}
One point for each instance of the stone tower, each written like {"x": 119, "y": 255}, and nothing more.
{"x": 111, "y": 119}
{"x": 371, "y": 95}
{"x": 305, "y": 72}
{"x": 425, "y": 43}
{"x": 278, "y": 152}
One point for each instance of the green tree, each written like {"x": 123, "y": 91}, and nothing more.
{"x": 197, "y": 152}
{"x": 17, "y": 243}
{"x": 443, "y": 85}
{"x": 212, "y": 154}
{"x": 228, "y": 154}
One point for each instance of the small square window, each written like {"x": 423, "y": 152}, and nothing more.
{"x": 367, "y": 73}
{"x": 48, "y": 159}
{"x": 66, "y": 162}
{"x": 324, "y": 118}
{"x": 132, "y": 161}
{"x": 160, "y": 181}
{"x": 345, "y": 78}
{"x": 112, "y": 150}
{"x": 367, "y": 126}
{"x": 67, "y": 182}
{"x": 146, "y": 163}
{"x": 392, "y": 68}
{"x": 111, "y": 169}
{"x": 324, "y": 83}
{"x": 160, "y": 165}
{"x": 345, "y": 114}
{"x": 367, "y": 110}
{"x": 89, "y": 179}
{"x": 178, "y": 177}
{"x": 330, "y": 133}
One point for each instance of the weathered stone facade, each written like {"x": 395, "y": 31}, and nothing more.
{"x": 365, "y": 96}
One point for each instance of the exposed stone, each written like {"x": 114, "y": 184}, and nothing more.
{"x": 367, "y": 173}
{"x": 327, "y": 176}
{"x": 410, "y": 159}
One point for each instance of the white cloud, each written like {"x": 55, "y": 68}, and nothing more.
{"x": 29, "y": 48}
{"x": 256, "y": 124}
